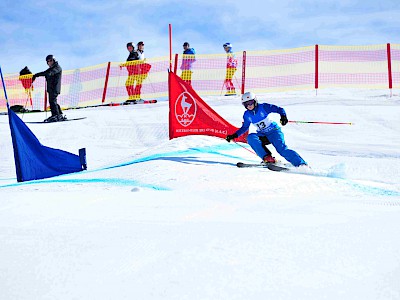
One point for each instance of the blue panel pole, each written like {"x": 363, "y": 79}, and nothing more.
{"x": 4, "y": 86}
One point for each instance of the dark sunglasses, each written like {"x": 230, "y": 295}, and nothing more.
{"x": 248, "y": 103}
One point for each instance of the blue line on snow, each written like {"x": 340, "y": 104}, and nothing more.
{"x": 372, "y": 190}
{"x": 114, "y": 181}
{"x": 184, "y": 153}
{"x": 190, "y": 151}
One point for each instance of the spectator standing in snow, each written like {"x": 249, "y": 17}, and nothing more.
{"x": 188, "y": 59}
{"x": 231, "y": 66}
{"x": 143, "y": 70}
{"x": 140, "y": 50}
{"x": 138, "y": 70}
{"x": 131, "y": 66}
{"x": 267, "y": 130}
{"x": 53, "y": 82}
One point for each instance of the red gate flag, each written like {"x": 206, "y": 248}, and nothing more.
{"x": 190, "y": 115}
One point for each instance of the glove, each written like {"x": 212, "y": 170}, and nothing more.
{"x": 230, "y": 137}
{"x": 284, "y": 120}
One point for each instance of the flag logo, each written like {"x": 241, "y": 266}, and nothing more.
{"x": 185, "y": 109}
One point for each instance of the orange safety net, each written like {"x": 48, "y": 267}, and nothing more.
{"x": 305, "y": 68}
{"x": 353, "y": 66}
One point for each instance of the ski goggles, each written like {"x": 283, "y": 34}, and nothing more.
{"x": 248, "y": 103}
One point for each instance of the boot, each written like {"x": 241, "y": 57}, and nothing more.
{"x": 61, "y": 117}
{"x": 269, "y": 159}
{"x": 51, "y": 119}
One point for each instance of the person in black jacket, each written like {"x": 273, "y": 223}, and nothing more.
{"x": 132, "y": 66}
{"x": 53, "y": 80}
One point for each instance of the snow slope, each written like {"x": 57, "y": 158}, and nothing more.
{"x": 154, "y": 218}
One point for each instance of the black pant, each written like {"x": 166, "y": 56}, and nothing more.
{"x": 54, "y": 107}
{"x": 264, "y": 140}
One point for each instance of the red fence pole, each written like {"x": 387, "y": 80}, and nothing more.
{"x": 316, "y": 67}
{"x": 176, "y": 63}
{"x": 106, "y": 83}
{"x": 389, "y": 59}
{"x": 244, "y": 72}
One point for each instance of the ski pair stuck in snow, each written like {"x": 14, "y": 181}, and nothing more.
{"x": 129, "y": 102}
{"x": 269, "y": 166}
{"x": 133, "y": 102}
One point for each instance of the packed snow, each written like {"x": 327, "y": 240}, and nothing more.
{"x": 154, "y": 218}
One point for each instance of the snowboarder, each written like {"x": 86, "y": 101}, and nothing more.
{"x": 188, "y": 59}
{"x": 53, "y": 80}
{"x": 268, "y": 131}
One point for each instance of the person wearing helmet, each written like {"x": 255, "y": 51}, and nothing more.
{"x": 267, "y": 130}
{"x": 53, "y": 81}
{"x": 231, "y": 66}
{"x": 188, "y": 59}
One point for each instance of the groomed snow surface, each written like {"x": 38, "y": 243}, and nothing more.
{"x": 154, "y": 218}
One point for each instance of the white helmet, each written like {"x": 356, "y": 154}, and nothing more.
{"x": 248, "y": 96}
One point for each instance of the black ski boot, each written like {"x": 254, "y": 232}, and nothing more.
{"x": 61, "y": 117}
{"x": 51, "y": 119}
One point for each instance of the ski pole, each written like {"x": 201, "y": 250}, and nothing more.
{"x": 222, "y": 87}
{"x": 117, "y": 86}
{"x": 245, "y": 148}
{"x": 26, "y": 103}
{"x": 148, "y": 77}
{"x": 317, "y": 122}
{"x": 29, "y": 96}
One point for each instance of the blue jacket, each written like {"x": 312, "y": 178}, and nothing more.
{"x": 189, "y": 51}
{"x": 188, "y": 59}
{"x": 259, "y": 117}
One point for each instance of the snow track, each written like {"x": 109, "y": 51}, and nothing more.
{"x": 154, "y": 218}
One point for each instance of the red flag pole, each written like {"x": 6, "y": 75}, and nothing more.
{"x": 317, "y": 122}
{"x": 176, "y": 63}
{"x": 170, "y": 46}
